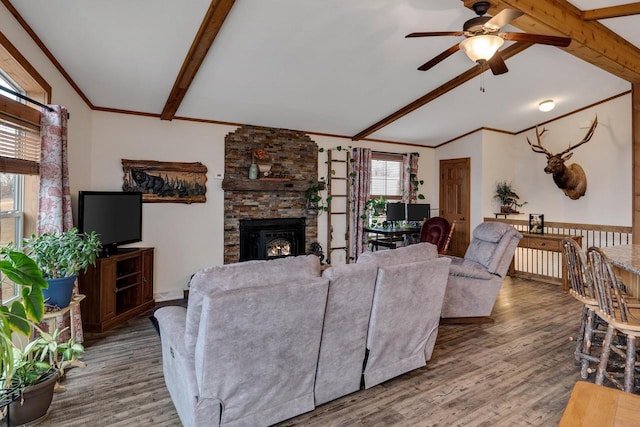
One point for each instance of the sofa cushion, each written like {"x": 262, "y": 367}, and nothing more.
{"x": 491, "y": 231}
{"x": 242, "y": 275}
{"x": 470, "y": 269}
{"x": 257, "y": 273}
{"x": 403, "y": 255}
{"x": 344, "y": 334}
{"x": 481, "y": 252}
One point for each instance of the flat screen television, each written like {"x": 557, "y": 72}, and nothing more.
{"x": 115, "y": 215}
{"x": 418, "y": 211}
{"x": 395, "y": 212}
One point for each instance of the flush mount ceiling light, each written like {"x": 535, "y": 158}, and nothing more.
{"x": 547, "y": 105}
{"x": 481, "y": 48}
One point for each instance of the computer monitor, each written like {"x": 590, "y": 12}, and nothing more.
{"x": 395, "y": 211}
{"x": 418, "y": 211}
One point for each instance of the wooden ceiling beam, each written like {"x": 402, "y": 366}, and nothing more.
{"x": 211, "y": 24}
{"x": 591, "y": 41}
{"x": 512, "y": 50}
{"x": 611, "y": 12}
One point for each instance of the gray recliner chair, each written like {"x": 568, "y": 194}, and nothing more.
{"x": 245, "y": 351}
{"x": 475, "y": 280}
{"x": 407, "y": 302}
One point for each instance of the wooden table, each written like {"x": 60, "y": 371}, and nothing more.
{"x": 626, "y": 263}
{"x": 389, "y": 234}
{"x": 548, "y": 242}
{"x": 596, "y": 405}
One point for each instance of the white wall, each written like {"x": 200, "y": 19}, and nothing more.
{"x": 79, "y": 131}
{"x": 498, "y": 165}
{"x": 606, "y": 160}
{"x": 186, "y": 237}
{"x": 189, "y": 237}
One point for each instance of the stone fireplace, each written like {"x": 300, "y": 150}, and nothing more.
{"x": 293, "y": 158}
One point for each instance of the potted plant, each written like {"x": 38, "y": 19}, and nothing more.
{"x": 36, "y": 379}
{"x": 21, "y": 315}
{"x": 374, "y": 208}
{"x": 61, "y": 256}
{"x": 37, "y": 368}
{"x": 507, "y": 197}
{"x": 315, "y": 202}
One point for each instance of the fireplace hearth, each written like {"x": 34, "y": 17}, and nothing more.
{"x": 271, "y": 238}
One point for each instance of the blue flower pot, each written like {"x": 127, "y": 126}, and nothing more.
{"x": 60, "y": 291}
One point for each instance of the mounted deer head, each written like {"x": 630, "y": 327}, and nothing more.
{"x": 570, "y": 179}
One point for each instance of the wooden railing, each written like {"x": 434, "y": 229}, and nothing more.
{"x": 547, "y": 266}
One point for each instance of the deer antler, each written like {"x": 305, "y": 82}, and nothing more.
{"x": 586, "y": 138}
{"x": 538, "y": 148}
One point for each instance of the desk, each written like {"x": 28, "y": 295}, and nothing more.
{"x": 389, "y": 234}
{"x": 596, "y": 405}
{"x": 548, "y": 242}
{"x": 626, "y": 263}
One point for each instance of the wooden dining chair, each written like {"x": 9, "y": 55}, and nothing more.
{"x": 582, "y": 289}
{"x": 623, "y": 321}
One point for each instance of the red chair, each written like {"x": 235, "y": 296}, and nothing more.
{"x": 437, "y": 231}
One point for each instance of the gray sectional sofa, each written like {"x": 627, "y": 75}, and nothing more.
{"x": 264, "y": 341}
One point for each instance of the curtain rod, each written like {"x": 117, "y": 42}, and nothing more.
{"x": 387, "y": 152}
{"x": 26, "y": 98}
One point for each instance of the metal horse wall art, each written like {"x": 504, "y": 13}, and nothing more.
{"x": 570, "y": 179}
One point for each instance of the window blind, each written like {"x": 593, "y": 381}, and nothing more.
{"x": 19, "y": 146}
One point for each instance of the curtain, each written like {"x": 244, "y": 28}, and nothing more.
{"x": 54, "y": 213}
{"x": 409, "y": 177}
{"x": 360, "y": 190}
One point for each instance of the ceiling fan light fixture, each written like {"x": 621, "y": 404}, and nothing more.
{"x": 481, "y": 48}
{"x": 547, "y": 105}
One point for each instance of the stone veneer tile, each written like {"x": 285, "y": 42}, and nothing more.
{"x": 292, "y": 154}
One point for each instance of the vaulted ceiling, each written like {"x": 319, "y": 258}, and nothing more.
{"x": 334, "y": 67}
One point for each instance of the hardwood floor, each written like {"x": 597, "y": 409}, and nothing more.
{"x": 518, "y": 371}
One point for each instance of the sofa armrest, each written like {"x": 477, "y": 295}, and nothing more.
{"x": 179, "y": 371}
{"x": 172, "y": 322}
{"x": 470, "y": 271}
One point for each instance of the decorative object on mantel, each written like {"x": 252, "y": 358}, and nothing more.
{"x": 508, "y": 198}
{"x": 259, "y": 156}
{"x": 570, "y": 179}
{"x": 253, "y": 171}
{"x": 172, "y": 182}
{"x": 264, "y": 169}
{"x": 536, "y": 223}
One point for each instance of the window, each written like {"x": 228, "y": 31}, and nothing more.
{"x": 19, "y": 152}
{"x": 386, "y": 176}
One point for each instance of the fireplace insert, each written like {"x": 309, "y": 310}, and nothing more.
{"x": 271, "y": 238}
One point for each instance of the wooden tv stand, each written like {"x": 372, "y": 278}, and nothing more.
{"x": 118, "y": 288}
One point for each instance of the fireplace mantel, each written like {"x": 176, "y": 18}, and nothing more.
{"x": 267, "y": 185}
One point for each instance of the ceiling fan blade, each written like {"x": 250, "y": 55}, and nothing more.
{"x": 444, "y": 55}
{"x": 537, "y": 38}
{"x": 502, "y": 19}
{"x": 435, "y": 33}
{"x": 497, "y": 65}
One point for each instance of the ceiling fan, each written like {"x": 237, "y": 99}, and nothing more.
{"x": 483, "y": 38}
